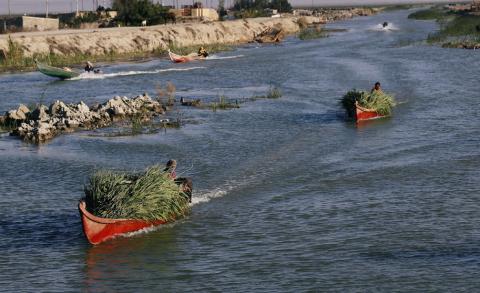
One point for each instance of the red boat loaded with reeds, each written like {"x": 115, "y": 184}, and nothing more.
{"x": 363, "y": 114}
{"x": 98, "y": 229}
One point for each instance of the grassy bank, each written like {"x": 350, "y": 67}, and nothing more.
{"x": 14, "y": 59}
{"x": 457, "y": 29}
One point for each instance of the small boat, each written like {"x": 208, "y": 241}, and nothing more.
{"x": 182, "y": 59}
{"x": 55, "y": 71}
{"x": 363, "y": 114}
{"x": 98, "y": 229}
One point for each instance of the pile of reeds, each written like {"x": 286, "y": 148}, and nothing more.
{"x": 149, "y": 195}
{"x": 380, "y": 102}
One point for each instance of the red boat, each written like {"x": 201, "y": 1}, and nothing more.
{"x": 363, "y": 114}
{"x": 182, "y": 59}
{"x": 98, "y": 229}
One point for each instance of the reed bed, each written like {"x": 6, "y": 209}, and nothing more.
{"x": 149, "y": 195}
{"x": 378, "y": 101}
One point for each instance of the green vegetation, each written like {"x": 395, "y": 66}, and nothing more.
{"x": 462, "y": 27}
{"x": 149, "y": 195}
{"x": 248, "y": 8}
{"x": 14, "y": 58}
{"x": 380, "y": 102}
{"x": 311, "y": 33}
{"x": 224, "y": 103}
{"x": 398, "y": 7}
{"x": 134, "y": 12}
{"x": 457, "y": 29}
{"x": 434, "y": 13}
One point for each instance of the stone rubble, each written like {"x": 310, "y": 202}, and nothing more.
{"x": 44, "y": 123}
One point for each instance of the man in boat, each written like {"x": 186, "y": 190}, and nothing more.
{"x": 184, "y": 182}
{"x": 202, "y": 52}
{"x": 89, "y": 66}
{"x": 377, "y": 88}
{"x": 385, "y": 24}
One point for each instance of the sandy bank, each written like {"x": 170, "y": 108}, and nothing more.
{"x": 148, "y": 39}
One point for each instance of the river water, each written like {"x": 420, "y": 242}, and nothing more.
{"x": 288, "y": 196}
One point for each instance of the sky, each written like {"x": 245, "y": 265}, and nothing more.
{"x": 39, "y": 6}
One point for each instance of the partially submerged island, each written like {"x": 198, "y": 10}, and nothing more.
{"x": 459, "y": 25}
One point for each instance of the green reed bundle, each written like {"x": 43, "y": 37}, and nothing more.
{"x": 150, "y": 195}
{"x": 378, "y": 101}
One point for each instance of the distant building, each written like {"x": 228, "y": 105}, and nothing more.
{"x": 476, "y": 5}
{"x": 195, "y": 13}
{"x": 30, "y": 23}
{"x": 206, "y": 13}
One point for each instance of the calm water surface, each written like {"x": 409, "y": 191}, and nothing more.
{"x": 289, "y": 196}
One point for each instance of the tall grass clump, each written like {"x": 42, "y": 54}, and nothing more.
{"x": 274, "y": 93}
{"x": 311, "y": 33}
{"x": 149, "y": 195}
{"x": 378, "y": 101}
{"x": 224, "y": 103}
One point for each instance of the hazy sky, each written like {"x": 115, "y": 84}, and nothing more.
{"x": 35, "y": 6}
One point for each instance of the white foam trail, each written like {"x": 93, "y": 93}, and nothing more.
{"x": 214, "y": 57}
{"x": 127, "y": 73}
{"x": 202, "y": 197}
{"x": 389, "y": 27}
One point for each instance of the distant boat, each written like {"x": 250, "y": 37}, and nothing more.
{"x": 55, "y": 71}
{"x": 186, "y": 58}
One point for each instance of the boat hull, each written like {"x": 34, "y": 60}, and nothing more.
{"x": 182, "y": 59}
{"x": 98, "y": 230}
{"x": 363, "y": 115}
{"x": 55, "y": 71}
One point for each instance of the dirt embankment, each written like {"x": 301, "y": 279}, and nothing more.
{"x": 148, "y": 39}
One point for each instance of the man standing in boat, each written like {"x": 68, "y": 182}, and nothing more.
{"x": 377, "y": 88}
{"x": 202, "y": 52}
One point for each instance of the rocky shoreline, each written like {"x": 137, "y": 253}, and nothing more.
{"x": 44, "y": 123}
{"x": 127, "y": 40}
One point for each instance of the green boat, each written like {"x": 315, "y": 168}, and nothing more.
{"x": 55, "y": 71}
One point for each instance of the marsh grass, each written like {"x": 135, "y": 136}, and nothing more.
{"x": 14, "y": 59}
{"x": 272, "y": 93}
{"x": 224, "y": 103}
{"x": 311, "y": 33}
{"x": 166, "y": 96}
{"x": 462, "y": 27}
{"x": 456, "y": 28}
{"x": 148, "y": 195}
{"x": 434, "y": 13}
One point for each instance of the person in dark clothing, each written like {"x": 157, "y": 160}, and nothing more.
{"x": 377, "y": 88}
{"x": 202, "y": 52}
{"x": 89, "y": 67}
{"x": 185, "y": 183}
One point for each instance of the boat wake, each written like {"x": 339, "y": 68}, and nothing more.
{"x": 381, "y": 28}
{"x": 214, "y": 57}
{"x": 206, "y": 196}
{"x": 128, "y": 73}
